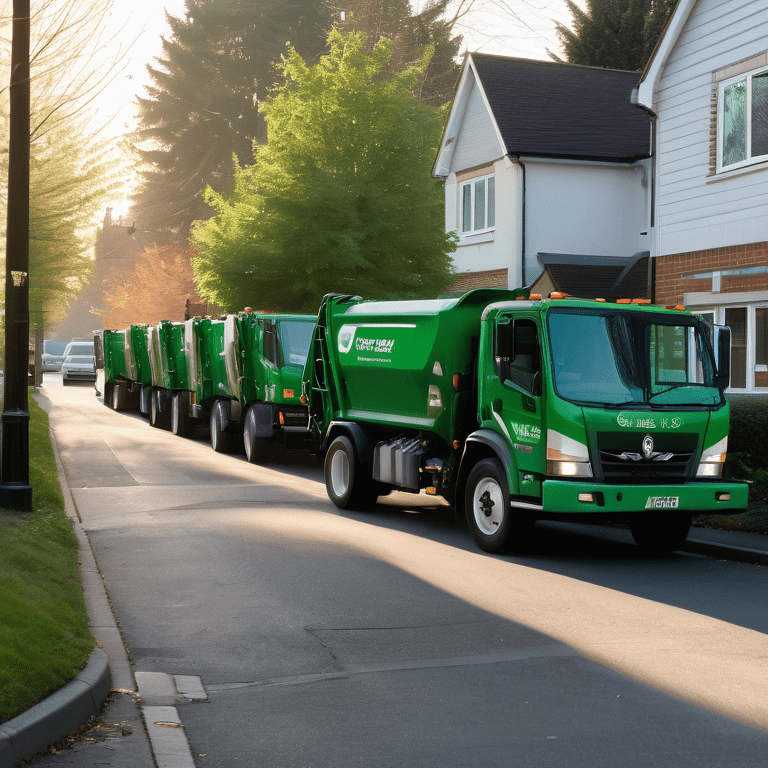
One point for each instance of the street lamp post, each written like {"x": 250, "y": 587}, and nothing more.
{"x": 15, "y": 490}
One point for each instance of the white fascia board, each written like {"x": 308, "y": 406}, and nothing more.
{"x": 649, "y": 81}
{"x": 443, "y": 164}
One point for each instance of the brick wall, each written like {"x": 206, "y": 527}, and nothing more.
{"x": 468, "y": 281}
{"x": 669, "y": 285}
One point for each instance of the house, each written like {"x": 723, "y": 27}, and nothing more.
{"x": 706, "y": 90}
{"x": 542, "y": 158}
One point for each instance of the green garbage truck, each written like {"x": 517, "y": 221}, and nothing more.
{"x": 123, "y": 370}
{"x": 515, "y": 408}
{"x": 243, "y": 376}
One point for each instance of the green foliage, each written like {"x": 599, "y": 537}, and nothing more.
{"x": 614, "y": 34}
{"x": 216, "y": 67}
{"x": 341, "y": 199}
{"x": 749, "y": 426}
{"x": 70, "y": 175}
{"x": 44, "y": 638}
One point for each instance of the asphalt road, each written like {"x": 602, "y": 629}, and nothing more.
{"x": 386, "y": 638}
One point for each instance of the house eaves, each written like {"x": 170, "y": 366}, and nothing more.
{"x": 649, "y": 80}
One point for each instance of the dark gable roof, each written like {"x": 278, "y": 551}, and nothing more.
{"x": 563, "y": 110}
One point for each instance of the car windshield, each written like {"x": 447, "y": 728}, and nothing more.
{"x": 54, "y": 347}
{"x": 295, "y": 336}
{"x": 80, "y": 359}
{"x": 630, "y": 358}
{"x": 80, "y": 349}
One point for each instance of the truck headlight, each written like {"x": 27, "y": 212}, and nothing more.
{"x": 712, "y": 459}
{"x": 566, "y": 457}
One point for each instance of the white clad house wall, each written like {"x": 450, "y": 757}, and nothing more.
{"x": 477, "y": 142}
{"x": 698, "y": 210}
{"x": 501, "y": 248}
{"x": 580, "y": 208}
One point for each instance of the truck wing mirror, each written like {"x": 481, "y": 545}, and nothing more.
{"x": 722, "y": 345}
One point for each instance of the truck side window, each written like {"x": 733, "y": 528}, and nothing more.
{"x": 524, "y": 360}
{"x": 270, "y": 343}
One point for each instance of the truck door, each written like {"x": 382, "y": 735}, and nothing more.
{"x": 514, "y": 399}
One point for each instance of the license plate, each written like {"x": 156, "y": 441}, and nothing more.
{"x": 662, "y": 502}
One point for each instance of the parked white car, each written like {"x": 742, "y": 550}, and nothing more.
{"x": 78, "y": 368}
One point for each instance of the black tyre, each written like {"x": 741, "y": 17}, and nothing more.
{"x": 108, "y": 388}
{"x": 180, "y": 421}
{"x": 154, "y": 409}
{"x": 65, "y": 382}
{"x": 159, "y": 409}
{"x": 221, "y": 440}
{"x": 486, "y": 501}
{"x": 256, "y": 448}
{"x": 660, "y": 534}
{"x": 347, "y": 487}
{"x": 118, "y": 397}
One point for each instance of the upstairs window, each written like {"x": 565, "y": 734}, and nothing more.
{"x": 478, "y": 204}
{"x": 743, "y": 120}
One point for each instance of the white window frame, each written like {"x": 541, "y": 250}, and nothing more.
{"x": 472, "y": 184}
{"x": 750, "y": 159}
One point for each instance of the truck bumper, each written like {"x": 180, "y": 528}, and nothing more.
{"x": 698, "y": 498}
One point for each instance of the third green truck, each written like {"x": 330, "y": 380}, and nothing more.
{"x": 515, "y": 407}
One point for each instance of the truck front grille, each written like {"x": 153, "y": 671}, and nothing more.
{"x": 622, "y": 459}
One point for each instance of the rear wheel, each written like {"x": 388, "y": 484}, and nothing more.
{"x": 159, "y": 415}
{"x": 221, "y": 440}
{"x": 154, "y": 412}
{"x": 486, "y": 502}
{"x": 118, "y": 397}
{"x": 180, "y": 422}
{"x": 659, "y": 535}
{"x": 346, "y": 486}
{"x": 256, "y": 448}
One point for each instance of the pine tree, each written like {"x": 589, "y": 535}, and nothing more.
{"x": 217, "y": 66}
{"x": 341, "y": 198}
{"x": 410, "y": 33}
{"x": 614, "y": 34}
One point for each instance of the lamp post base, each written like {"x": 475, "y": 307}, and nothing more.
{"x": 17, "y": 498}
{"x": 15, "y": 490}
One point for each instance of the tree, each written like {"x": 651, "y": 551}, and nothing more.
{"x": 158, "y": 288}
{"x": 202, "y": 109}
{"x": 70, "y": 168}
{"x": 615, "y": 34}
{"x": 341, "y": 198}
{"x": 410, "y": 32}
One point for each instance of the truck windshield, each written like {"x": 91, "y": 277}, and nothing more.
{"x": 295, "y": 336}
{"x": 630, "y": 358}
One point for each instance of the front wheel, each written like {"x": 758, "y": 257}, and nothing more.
{"x": 486, "y": 502}
{"x": 660, "y": 534}
{"x": 256, "y": 448}
{"x": 346, "y": 486}
{"x": 221, "y": 440}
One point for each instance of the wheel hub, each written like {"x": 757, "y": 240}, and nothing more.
{"x": 487, "y": 504}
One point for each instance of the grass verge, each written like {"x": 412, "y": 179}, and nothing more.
{"x": 44, "y": 637}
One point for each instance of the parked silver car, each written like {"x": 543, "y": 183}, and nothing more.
{"x": 78, "y": 368}
{"x": 53, "y": 354}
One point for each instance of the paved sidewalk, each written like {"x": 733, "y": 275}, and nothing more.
{"x": 728, "y": 545}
